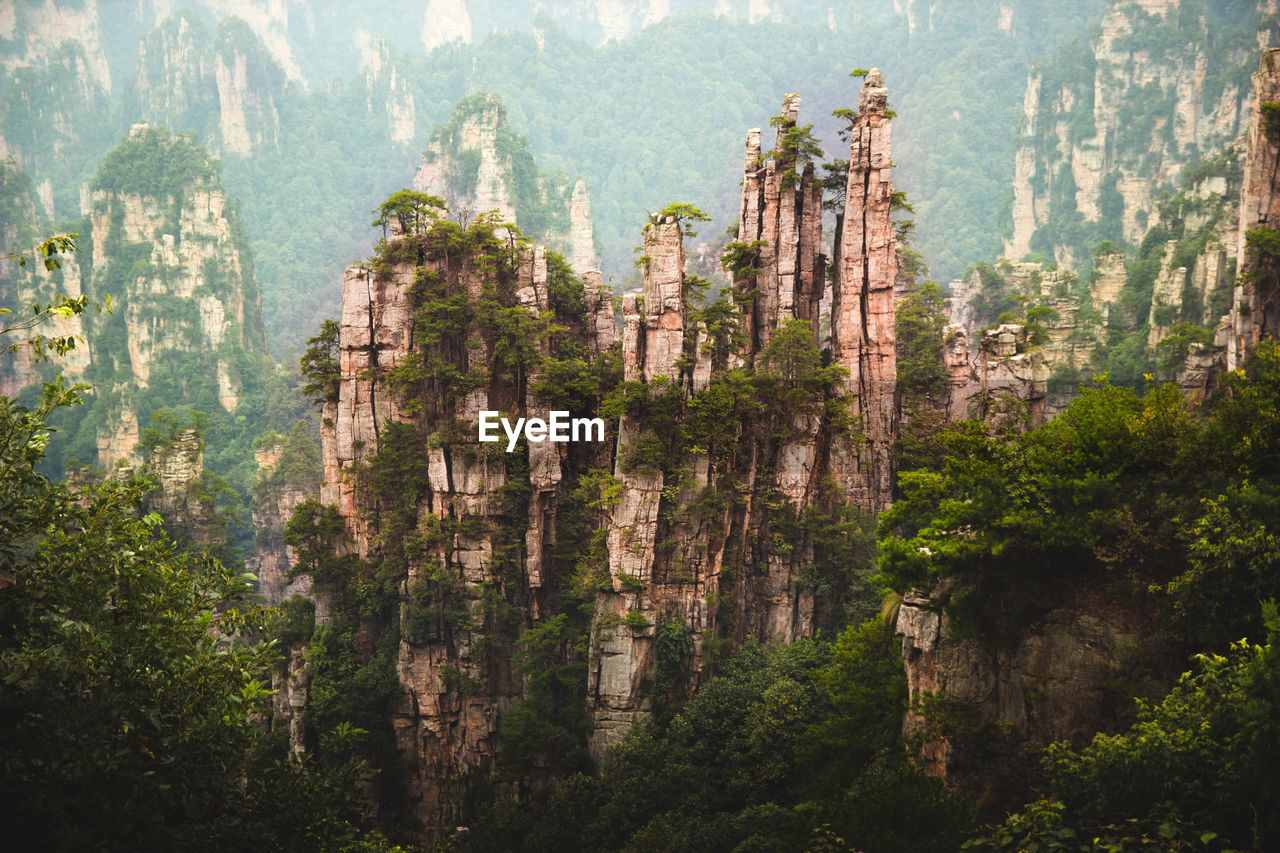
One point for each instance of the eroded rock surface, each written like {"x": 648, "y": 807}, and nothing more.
{"x": 1256, "y": 311}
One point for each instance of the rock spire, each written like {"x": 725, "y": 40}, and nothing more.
{"x": 862, "y": 300}
{"x": 1256, "y": 312}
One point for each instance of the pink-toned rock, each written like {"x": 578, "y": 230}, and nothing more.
{"x": 862, "y": 304}
{"x": 1256, "y": 312}
{"x": 956, "y": 356}
{"x": 782, "y": 208}
{"x": 663, "y": 311}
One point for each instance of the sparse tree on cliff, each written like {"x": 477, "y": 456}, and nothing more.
{"x": 414, "y": 211}
{"x": 319, "y": 364}
{"x": 684, "y": 214}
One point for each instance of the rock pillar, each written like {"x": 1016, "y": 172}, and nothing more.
{"x": 862, "y": 303}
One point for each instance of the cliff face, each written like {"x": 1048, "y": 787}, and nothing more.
{"x": 185, "y": 328}
{"x": 476, "y": 163}
{"x": 176, "y": 263}
{"x": 37, "y": 33}
{"x": 289, "y": 473}
{"x": 387, "y": 86}
{"x": 177, "y": 463}
{"x": 1158, "y": 311}
{"x": 224, "y": 85}
{"x": 174, "y": 85}
{"x": 1094, "y": 154}
{"x": 1255, "y": 313}
{"x": 984, "y": 706}
{"x": 472, "y": 526}
{"x": 862, "y": 298}
{"x": 699, "y": 523}
{"x": 983, "y": 711}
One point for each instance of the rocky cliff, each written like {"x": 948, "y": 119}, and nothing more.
{"x": 862, "y": 298}
{"x": 985, "y": 703}
{"x": 469, "y": 528}
{"x": 476, "y": 163}
{"x": 1255, "y": 313}
{"x": 1156, "y": 310}
{"x": 168, "y": 250}
{"x": 182, "y": 332}
{"x": 289, "y": 473}
{"x": 983, "y": 711}
{"x": 225, "y": 85}
{"x": 388, "y": 87}
{"x": 1094, "y": 154}
{"x": 712, "y": 513}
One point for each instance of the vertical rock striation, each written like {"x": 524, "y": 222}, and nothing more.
{"x": 731, "y": 435}
{"x": 250, "y": 84}
{"x": 653, "y": 334}
{"x": 862, "y": 304}
{"x": 289, "y": 473}
{"x": 582, "y": 240}
{"x": 476, "y": 163}
{"x": 681, "y": 553}
{"x": 1089, "y": 146}
{"x": 175, "y": 260}
{"x": 782, "y": 209}
{"x": 1255, "y": 313}
{"x": 468, "y": 528}
{"x": 1054, "y": 684}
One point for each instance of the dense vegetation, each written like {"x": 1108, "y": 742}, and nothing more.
{"x": 135, "y": 669}
{"x": 134, "y": 680}
{"x": 1130, "y": 496}
{"x": 788, "y": 748}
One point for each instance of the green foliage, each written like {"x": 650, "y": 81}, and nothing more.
{"x": 40, "y": 346}
{"x": 1177, "y": 344}
{"x": 673, "y": 644}
{"x": 791, "y": 376}
{"x": 1266, "y": 241}
{"x": 920, "y": 321}
{"x": 413, "y": 211}
{"x": 133, "y": 677}
{"x": 685, "y": 215}
{"x": 549, "y": 728}
{"x": 635, "y": 621}
{"x": 784, "y": 745}
{"x": 797, "y": 145}
{"x": 47, "y": 251}
{"x": 740, "y": 259}
{"x": 1271, "y": 119}
{"x": 1129, "y": 492}
{"x": 1097, "y": 487}
{"x": 1043, "y": 826}
{"x": 154, "y": 163}
{"x": 314, "y": 531}
{"x": 1194, "y": 773}
{"x": 835, "y": 183}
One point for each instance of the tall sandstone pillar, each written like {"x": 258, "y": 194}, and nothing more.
{"x": 674, "y": 556}
{"x": 862, "y": 304}
{"x": 652, "y": 345}
{"x": 1256, "y": 312}
{"x": 783, "y": 210}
